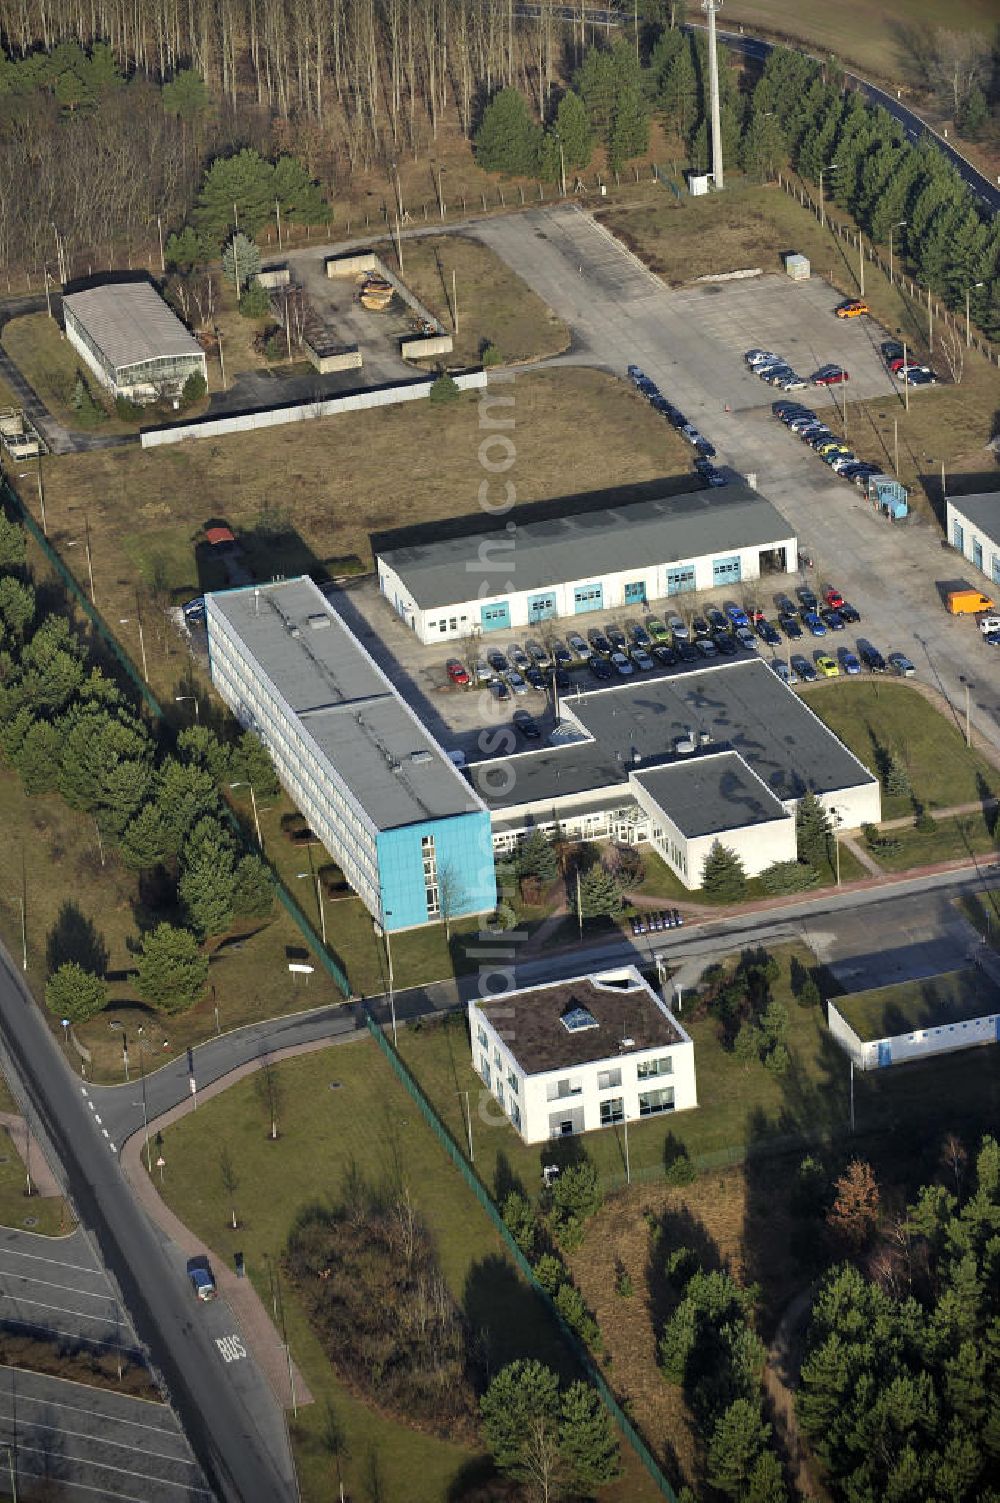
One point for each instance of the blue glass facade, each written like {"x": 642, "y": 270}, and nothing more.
{"x": 464, "y": 873}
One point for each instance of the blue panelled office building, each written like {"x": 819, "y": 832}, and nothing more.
{"x": 409, "y": 833}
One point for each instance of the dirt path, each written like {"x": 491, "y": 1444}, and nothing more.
{"x": 780, "y": 1379}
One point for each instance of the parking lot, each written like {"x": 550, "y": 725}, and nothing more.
{"x": 56, "y": 1287}
{"x": 68, "y": 1440}
{"x": 690, "y": 341}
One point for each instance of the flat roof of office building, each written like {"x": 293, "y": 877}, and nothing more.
{"x": 707, "y": 794}
{"x": 738, "y": 706}
{"x": 982, "y": 511}
{"x": 592, "y": 544}
{"x": 578, "y": 1021}
{"x": 131, "y": 324}
{"x": 392, "y": 765}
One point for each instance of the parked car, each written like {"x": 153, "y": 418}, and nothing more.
{"x": 483, "y": 671}
{"x": 790, "y": 626}
{"x": 716, "y": 619}
{"x": 562, "y": 681}
{"x": 519, "y": 657}
{"x": 621, "y": 664}
{"x": 736, "y": 613}
{"x": 199, "y": 1272}
{"x": 813, "y": 624}
{"x": 700, "y": 627}
{"x": 497, "y": 661}
{"x": 847, "y": 613}
{"x": 871, "y": 657}
{"x": 578, "y": 645}
{"x": 562, "y": 654}
{"x": 641, "y": 659}
{"x": 847, "y": 660}
{"x": 829, "y": 375}
{"x": 527, "y": 725}
{"x": 807, "y": 597}
{"x": 832, "y": 620}
{"x": 535, "y": 677}
{"x": 768, "y": 634}
{"x": 827, "y": 666}
{"x": 786, "y": 674}
{"x": 457, "y": 672}
{"x": 600, "y": 667}
{"x": 599, "y": 642}
{"x": 537, "y": 653}
{"x": 664, "y": 655}
{"x": 706, "y": 647}
{"x": 754, "y": 358}
{"x": 656, "y": 629}
{"x": 687, "y": 652}
{"x": 891, "y": 349}
{"x": 924, "y": 376}
{"x": 616, "y": 637}
{"x": 499, "y": 689}
{"x": 900, "y": 663}
{"x": 746, "y": 638}
{"x": 516, "y": 682}
{"x": 853, "y": 308}
{"x": 804, "y": 669}
{"x": 640, "y": 636}
{"x": 678, "y": 628}
{"x": 635, "y": 373}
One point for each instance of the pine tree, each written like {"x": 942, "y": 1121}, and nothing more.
{"x": 738, "y": 1439}
{"x": 600, "y": 894}
{"x": 508, "y": 140}
{"x": 588, "y": 1442}
{"x": 677, "y": 96}
{"x": 855, "y": 1211}
{"x": 241, "y": 261}
{"x": 629, "y": 135}
{"x": 536, "y": 858}
{"x": 241, "y": 183}
{"x": 723, "y": 877}
{"x": 522, "y": 1397}
{"x": 812, "y": 829}
{"x": 573, "y": 130}
{"x": 76, "y": 994}
{"x": 172, "y": 971}
{"x": 12, "y": 543}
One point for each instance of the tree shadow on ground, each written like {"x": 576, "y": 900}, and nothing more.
{"x": 75, "y": 937}
{"x": 677, "y": 1227}
{"x": 507, "y": 1320}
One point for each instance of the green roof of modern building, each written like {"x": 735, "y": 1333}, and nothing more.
{"x": 592, "y": 544}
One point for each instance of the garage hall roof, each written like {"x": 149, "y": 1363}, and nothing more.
{"x": 589, "y": 544}
{"x": 343, "y": 701}
{"x": 131, "y": 324}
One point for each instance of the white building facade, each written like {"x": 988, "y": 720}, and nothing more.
{"x": 619, "y": 558}
{"x": 580, "y": 1055}
{"x": 973, "y": 528}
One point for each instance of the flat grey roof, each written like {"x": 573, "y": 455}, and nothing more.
{"x": 740, "y": 705}
{"x": 130, "y": 323}
{"x": 530, "y": 1022}
{"x": 393, "y": 766}
{"x": 706, "y": 794}
{"x": 982, "y": 511}
{"x": 670, "y": 529}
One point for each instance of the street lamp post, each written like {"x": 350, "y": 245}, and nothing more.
{"x": 968, "y": 314}
{"x": 319, "y": 899}
{"x": 141, "y": 1046}
{"x": 253, "y": 803}
{"x": 127, "y": 621}
{"x": 384, "y": 928}
{"x": 180, "y": 699}
{"x": 822, "y": 208}
{"x": 896, "y": 226}
{"x": 967, "y": 686}
{"x": 75, "y": 543}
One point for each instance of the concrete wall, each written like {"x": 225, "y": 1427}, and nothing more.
{"x": 366, "y": 261}
{"x": 423, "y": 349}
{"x": 352, "y": 266}
{"x": 276, "y": 417}
{"x": 348, "y": 359}
{"x": 274, "y": 276}
{"x": 922, "y": 1043}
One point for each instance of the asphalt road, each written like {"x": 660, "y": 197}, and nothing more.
{"x": 227, "y": 1410}
{"x": 91, "y": 1442}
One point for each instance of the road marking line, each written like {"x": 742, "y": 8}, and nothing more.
{"x": 51, "y": 1284}
{"x": 15, "y": 1320}
{"x": 15, "y": 1252}
{"x": 104, "y": 1414}
{"x": 93, "y": 1108}
{"x": 123, "y": 1471}
{"x": 36, "y": 1426}
{"x": 97, "y": 1119}
{"x": 19, "y": 1299}
{"x": 104, "y": 1130}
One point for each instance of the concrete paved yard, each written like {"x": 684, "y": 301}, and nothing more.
{"x": 74, "y": 1441}
{"x": 690, "y": 341}
{"x": 904, "y": 939}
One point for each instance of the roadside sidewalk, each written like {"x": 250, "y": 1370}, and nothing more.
{"x": 262, "y": 1340}
{"x": 31, "y": 1155}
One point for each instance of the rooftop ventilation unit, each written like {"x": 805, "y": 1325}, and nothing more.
{"x": 418, "y": 757}
{"x": 628, "y": 1044}
{"x": 704, "y": 739}
{"x": 684, "y": 745}
{"x": 318, "y": 622}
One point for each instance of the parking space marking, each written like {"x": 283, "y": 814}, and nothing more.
{"x": 30, "y": 1278}
{"x": 36, "y": 1426}
{"x": 16, "y": 1252}
{"x": 186, "y": 1488}
{"x": 171, "y": 1429}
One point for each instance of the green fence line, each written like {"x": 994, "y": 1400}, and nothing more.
{"x": 313, "y": 940}
{"x": 479, "y": 1190}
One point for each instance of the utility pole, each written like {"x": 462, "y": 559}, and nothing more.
{"x": 895, "y": 446}
{"x": 159, "y": 226}
{"x": 968, "y": 313}
{"x": 710, "y": 7}
{"x": 454, "y": 298}
{"x": 906, "y": 383}
{"x": 861, "y": 263}
{"x": 930, "y": 323}
{"x": 277, "y": 215}
{"x": 468, "y": 1124}
{"x": 852, "y": 1096}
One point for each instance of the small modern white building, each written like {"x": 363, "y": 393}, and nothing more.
{"x": 578, "y": 1055}
{"x": 722, "y": 752}
{"x": 135, "y": 345}
{"x": 615, "y": 557}
{"x": 973, "y": 527}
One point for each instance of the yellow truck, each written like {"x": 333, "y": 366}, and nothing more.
{"x": 969, "y": 602}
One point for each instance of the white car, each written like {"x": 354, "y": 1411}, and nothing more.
{"x": 578, "y": 645}
{"x": 677, "y": 626}
{"x": 754, "y": 358}
{"x": 783, "y": 671}
{"x": 483, "y": 671}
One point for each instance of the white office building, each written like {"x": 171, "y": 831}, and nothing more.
{"x": 583, "y": 1054}
{"x": 616, "y": 557}
{"x": 722, "y": 752}
{"x": 973, "y": 524}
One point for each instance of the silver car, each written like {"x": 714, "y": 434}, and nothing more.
{"x": 578, "y": 645}
{"x": 677, "y": 626}
{"x": 900, "y": 663}
{"x": 621, "y": 664}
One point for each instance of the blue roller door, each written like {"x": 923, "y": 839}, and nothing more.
{"x": 726, "y": 570}
{"x": 680, "y": 578}
{"x": 635, "y": 592}
{"x": 977, "y": 553}
{"x": 541, "y": 607}
{"x": 958, "y": 536}
{"x": 495, "y": 617}
{"x": 588, "y": 597}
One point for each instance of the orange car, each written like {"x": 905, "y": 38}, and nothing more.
{"x": 853, "y": 309}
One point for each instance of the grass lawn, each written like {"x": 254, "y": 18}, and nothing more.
{"x": 47, "y": 359}
{"x": 576, "y": 430}
{"x": 49, "y": 1216}
{"x": 344, "y": 1107}
{"x": 494, "y": 304}
{"x": 873, "y": 39}
{"x": 950, "y": 998}
{"x": 868, "y": 715}
{"x": 952, "y": 839}
{"x": 663, "y": 883}
{"x": 92, "y": 909}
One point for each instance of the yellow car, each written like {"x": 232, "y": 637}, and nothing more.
{"x": 852, "y": 309}
{"x": 826, "y": 667}
{"x": 834, "y": 444}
